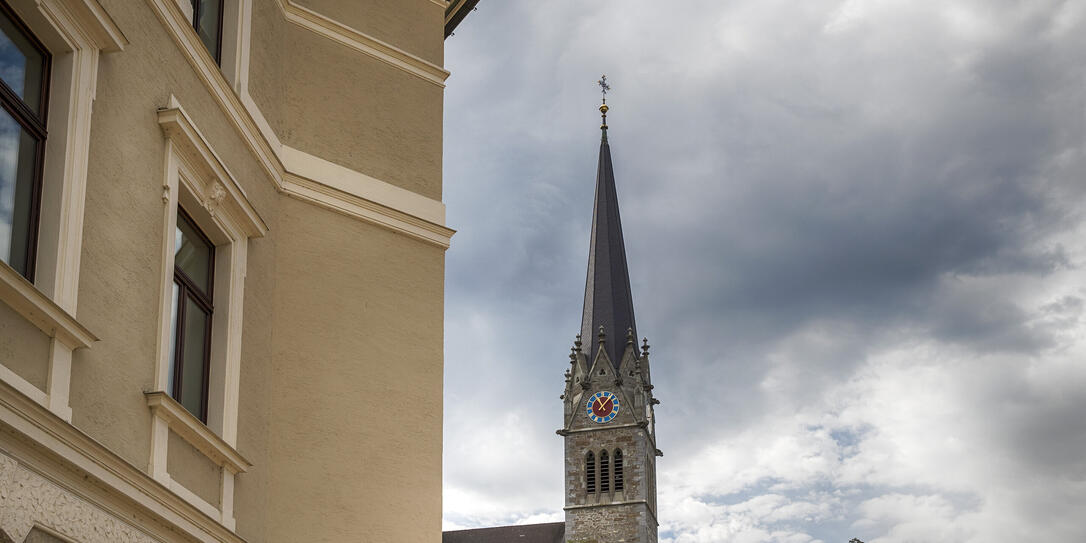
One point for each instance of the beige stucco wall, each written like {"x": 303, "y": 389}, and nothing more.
{"x": 343, "y": 320}
{"x": 255, "y": 415}
{"x": 357, "y": 367}
{"x": 266, "y": 60}
{"x": 23, "y": 347}
{"x": 387, "y": 121}
{"x": 409, "y": 26}
{"x": 192, "y": 469}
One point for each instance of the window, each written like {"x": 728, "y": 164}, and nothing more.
{"x": 190, "y": 350}
{"x": 619, "y": 483}
{"x": 24, "y": 86}
{"x": 207, "y": 16}
{"x": 208, "y": 223}
{"x": 590, "y": 473}
{"x": 605, "y": 468}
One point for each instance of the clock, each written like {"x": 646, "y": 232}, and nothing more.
{"x": 602, "y": 407}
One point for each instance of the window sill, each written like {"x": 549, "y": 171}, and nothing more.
{"x": 37, "y": 308}
{"x": 189, "y": 428}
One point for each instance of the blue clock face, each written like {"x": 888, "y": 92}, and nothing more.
{"x": 602, "y": 407}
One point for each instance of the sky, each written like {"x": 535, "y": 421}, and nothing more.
{"x": 856, "y": 233}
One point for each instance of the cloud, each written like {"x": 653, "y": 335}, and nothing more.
{"x": 855, "y": 235}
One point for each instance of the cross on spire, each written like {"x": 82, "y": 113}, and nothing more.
{"x": 604, "y": 87}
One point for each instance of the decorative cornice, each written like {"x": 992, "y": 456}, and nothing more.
{"x": 80, "y": 452}
{"x": 307, "y": 190}
{"x": 368, "y": 45}
{"x": 223, "y": 189}
{"x": 193, "y": 431}
{"x": 302, "y": 164}
{"x": 565, "y": 432}
{"x": 643, "y": 425}
{"x": 243, "y": 114}
{"x": 36, "y": 307}
{"x": 91, "y": 20}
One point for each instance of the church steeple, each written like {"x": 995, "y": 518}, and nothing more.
{"x": 608, "y": 302}
{"x": 608, "y": 404}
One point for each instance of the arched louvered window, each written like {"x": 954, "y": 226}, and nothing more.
{"x": 619, "y": 483}
{"x": 590, "y": 473}
{"x": 605, "y": 470}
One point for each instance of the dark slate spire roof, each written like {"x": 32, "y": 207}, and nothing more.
{"x": 607, "y": 299}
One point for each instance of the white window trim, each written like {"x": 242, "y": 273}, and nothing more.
{"x": 236, "y": 30}
{"x": 197, "y": 180}
{"x": 75, "y": 32}
{"x": 170, "y": 416}
{"x": 53, "y": 321}
{"x": 236, "y": 26}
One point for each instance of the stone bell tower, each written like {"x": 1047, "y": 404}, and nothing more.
{"x": 610, "y": 436}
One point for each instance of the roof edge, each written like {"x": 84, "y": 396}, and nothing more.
{"x": 456, "y": 12}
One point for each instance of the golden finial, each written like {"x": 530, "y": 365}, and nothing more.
{"x": 604, "y": 87}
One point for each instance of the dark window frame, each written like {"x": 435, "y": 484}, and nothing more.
{"x": 619, "y": 479}
{"x": 196, "y": 12}
{"x": 590, "y": 473}
{"x": 605, "y": 468}
{"x": 35, "y": 124}
{"x": 188, "y": 289}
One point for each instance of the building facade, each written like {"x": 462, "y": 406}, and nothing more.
{"x": 222, "y": 253}
{"x": 608, "y": 403}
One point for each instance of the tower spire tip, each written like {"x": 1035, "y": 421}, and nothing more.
{"x": 604, "y": 87}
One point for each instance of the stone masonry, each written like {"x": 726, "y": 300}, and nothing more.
{"x": 615, "y": 515}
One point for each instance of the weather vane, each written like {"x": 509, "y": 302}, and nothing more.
{"x": 604, "y": 87}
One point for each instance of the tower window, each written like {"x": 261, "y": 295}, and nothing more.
{"x": 24, "y": 86}
{"x": 605, "y": 481}
{"x": 590, "y": 473}
{"x": 619, "y": 483}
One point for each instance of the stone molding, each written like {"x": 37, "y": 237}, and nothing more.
{"x": 365, "y": 44}
{"x": 28, "y": 500}
{"x": 182, "y": 423}
{"x": 42, "y": 312}
{"x": 223, "y": 188}
{"x": 64, "y": 331}
{"x": 48, "y": 444}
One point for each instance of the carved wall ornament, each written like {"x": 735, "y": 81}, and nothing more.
{"x": 28, "y": 499}
{"x": 216, "y": 193}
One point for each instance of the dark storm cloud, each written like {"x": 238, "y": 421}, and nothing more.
{"x": 864, "y": 223}
{"x": 804, "y": 187}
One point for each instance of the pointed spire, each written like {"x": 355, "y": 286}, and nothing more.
{"x": 608, "y": 303}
